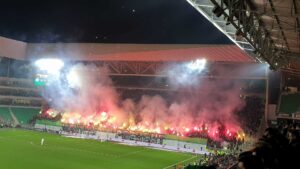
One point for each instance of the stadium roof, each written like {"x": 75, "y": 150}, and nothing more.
{"x": 268, "y": 30}
{"x": 281, "y": 20}
{"x": 122, "y": 52}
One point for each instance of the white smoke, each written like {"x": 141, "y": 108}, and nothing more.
{"x": 200, "y": 100}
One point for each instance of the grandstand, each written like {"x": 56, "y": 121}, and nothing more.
{"x": 187, "y": 99}
{"x": 24, "y": 115}
{"x": 17, "y": 115}
{"x": 19, "y": 92}
{"x": 134, "y": 69}
{"x": 20, "y": 100}
{"x": 290, "y": 103}
{"x": 5, "y": 115}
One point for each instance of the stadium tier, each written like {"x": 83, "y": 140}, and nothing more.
{"x": 24, "y": 115}
{"x": 5, "y": 115}
{"x": 290, "y": 103}
{"x": 19, "y": 92}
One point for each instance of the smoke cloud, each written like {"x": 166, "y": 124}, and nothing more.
{"x": 198, "y": 101}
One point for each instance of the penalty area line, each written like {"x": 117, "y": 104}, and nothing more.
{"x": 180, "y": 162}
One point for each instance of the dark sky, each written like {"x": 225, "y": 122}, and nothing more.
{"x": 107, "y": 21}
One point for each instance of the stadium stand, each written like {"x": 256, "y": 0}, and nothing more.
{"x": 278, "y": 148}
{"x": 5, "y": 115}
{"x": 14, "y": 82}
{"x": 252, "y": 114}
{"x": 290, "y": 103}
{"x": 3, "y": 66}
{"x": 24, "y": 115}
{"x": 19, "y": 92}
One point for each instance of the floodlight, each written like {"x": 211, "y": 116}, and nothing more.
{"x": 197, "y": 65}
{"x": 73, "y": 79}
{"x": 51, "y": 65}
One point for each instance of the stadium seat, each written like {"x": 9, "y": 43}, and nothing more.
{"x": 5, "y": 115}
{"x": 290, "y": 103}
{"x": 24, "y": 115}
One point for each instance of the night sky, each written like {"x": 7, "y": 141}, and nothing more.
{"x": 107, "y": 21}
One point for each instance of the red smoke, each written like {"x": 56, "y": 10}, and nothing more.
{"x": 204, "y": 106}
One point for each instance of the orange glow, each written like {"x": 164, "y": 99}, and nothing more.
{"x": 106, "y": 121}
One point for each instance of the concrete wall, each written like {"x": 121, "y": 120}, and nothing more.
{"x": 47, "y": 127}
{"x": 12, "y": 48}
{"x": 184, "y": 145}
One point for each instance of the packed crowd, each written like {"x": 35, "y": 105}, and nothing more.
{"x": 221, "y": 161}
{"x": 278, "y": 148}
{"x": 143, "y": 137}
{"x": 217, "y": 160}
{"x": 251, "y": 115}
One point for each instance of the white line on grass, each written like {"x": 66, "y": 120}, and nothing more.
{"x": 180, "y": 162}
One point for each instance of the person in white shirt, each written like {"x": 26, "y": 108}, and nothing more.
{"x": 42, "y": 141}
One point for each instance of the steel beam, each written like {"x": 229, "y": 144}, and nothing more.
{"x": 248, "y": 27}
{"x": 279, "y": 23}
{"x": 297, "y": 18}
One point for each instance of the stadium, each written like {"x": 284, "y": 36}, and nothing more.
{"x": 141, "y": 106}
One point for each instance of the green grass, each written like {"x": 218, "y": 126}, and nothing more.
{"x": 21, "y": 149}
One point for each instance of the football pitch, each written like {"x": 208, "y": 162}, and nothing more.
{"x": 21, "y": 149}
